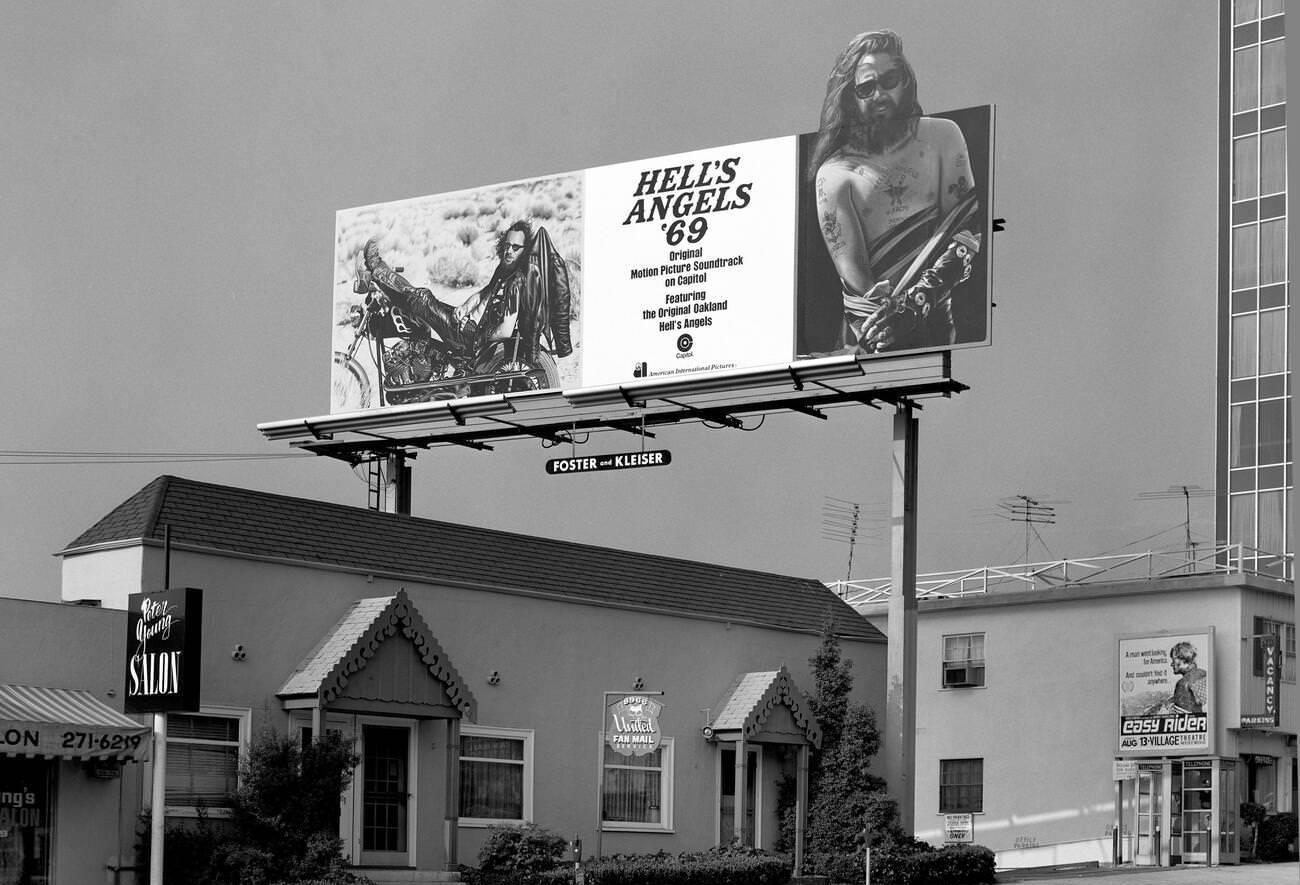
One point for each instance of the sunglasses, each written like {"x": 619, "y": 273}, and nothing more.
{"x": 867, "y": 88}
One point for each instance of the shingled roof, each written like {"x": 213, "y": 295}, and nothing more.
{"x": 749, "y": 702}
{"x": 317, "y": 533}
{"x": 346, "y": 649}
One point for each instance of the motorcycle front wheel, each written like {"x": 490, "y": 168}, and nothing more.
{"x": 539, "y": 374}
{"x": 350, "y": 388}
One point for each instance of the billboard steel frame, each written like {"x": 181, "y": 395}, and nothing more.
{"x": 557, "y": 417}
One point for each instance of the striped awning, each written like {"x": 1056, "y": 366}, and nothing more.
{"x": 67, "y": 723}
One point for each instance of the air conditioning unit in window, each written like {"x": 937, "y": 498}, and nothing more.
{"x": 962, "y": 675}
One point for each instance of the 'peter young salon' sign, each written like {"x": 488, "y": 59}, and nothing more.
{"x": 163, "y": 650}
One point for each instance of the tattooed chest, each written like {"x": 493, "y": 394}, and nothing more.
{"x": 896, "y": 192}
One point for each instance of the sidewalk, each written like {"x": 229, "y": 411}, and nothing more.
{"x": 1244, "y": 874}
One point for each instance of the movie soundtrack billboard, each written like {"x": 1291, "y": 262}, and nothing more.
{"x": 1166, "y": 694}
{"x": 732, "y": 258}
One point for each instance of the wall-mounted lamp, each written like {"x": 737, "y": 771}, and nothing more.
{"x": 494, "y": 678}
{"x": 239, "y": 654}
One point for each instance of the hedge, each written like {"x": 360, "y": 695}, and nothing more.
{"x": 1277, "y": 833}
{"x": 705, "y": 868}
{"x": 911, "y": 864}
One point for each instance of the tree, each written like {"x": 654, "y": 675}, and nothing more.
{"x": 286, "y": 812}
{"x": 284, "y": 820}
{"x": 845, "y": 800}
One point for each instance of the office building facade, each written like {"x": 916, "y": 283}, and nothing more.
{"x": 1254, "y": 441}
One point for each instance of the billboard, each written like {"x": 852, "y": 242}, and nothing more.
{"x": 1166, "y": 694}
{"x": 723, "y": 260}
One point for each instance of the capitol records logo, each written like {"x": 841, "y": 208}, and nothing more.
{"x": 685, "y": 342}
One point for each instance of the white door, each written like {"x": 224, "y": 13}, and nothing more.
{"x": 1147, "y": 829}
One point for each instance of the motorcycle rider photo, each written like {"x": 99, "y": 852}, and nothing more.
{"x": 516, "y": 293}
{"x": 496, "y": 332}
{"x": 529, "y": 288}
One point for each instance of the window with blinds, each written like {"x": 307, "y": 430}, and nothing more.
{"x": 203, "y": 760}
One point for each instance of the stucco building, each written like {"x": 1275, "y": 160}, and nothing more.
{"x": 473, "y": 668}
{"x": 1055, "y": 712}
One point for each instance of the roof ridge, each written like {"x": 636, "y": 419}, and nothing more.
{"x": 323, "y": 534}
{"x": 136, "y": 517}
{"x": 167, "y": 482}
{"x": 157, "y": 499}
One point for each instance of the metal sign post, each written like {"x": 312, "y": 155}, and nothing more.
{"x": 158, "y": 812}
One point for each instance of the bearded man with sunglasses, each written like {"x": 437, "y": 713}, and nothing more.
{"x": 895, "y": 201}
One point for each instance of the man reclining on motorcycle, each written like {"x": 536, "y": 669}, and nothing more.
{"x": 527, "y": 296}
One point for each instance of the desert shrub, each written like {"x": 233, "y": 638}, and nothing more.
{"x": 454, "y": 267}
{"x": 1277, "y": 836}
{"x": 459, "y": 210}
{"x": 542, "y": 208}
{"x": 467, "y": 233}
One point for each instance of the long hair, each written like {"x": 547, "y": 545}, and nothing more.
{"x": 839, "y": 113}
{"x": 520, "y": 225}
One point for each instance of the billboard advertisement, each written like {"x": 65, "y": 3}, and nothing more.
{"x": 728, "y": 259}
{"x": 1166, "y": 694}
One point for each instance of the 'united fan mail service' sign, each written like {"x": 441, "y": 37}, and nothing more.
{"x": 632, "y": 726}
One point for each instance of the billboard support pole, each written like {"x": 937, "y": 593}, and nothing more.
{"x": 900, "y": 704}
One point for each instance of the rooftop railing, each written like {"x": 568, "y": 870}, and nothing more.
{"x": 1222, "y": 559}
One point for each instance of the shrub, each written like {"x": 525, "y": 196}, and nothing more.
{"x": 454, "y": 267}
{"x": 520, "y": 851}
{"x": 283, "y": 825}
{"x": 910, "y": 862}
{"x": 467, "y": 233}
{"x": 1252, "y": 814}
{"x": 542, "y": 208}
{"x": 1277, "y": 833}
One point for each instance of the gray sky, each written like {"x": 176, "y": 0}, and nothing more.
{"x": 171, "y": 171}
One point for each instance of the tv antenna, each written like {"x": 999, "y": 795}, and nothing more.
{"x": 843, "y": 521}
{"x": 1187, "y": 493}
{"x": 1032, "y": 512}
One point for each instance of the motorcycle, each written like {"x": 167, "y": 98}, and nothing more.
{"x": 415, "y": 364}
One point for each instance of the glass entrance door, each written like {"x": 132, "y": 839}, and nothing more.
{"x": 1228, "y": 842}
{"x": 1147, "y": 825}
{"x": 727, "y": 797}
{"x": 385, "y": 784}
{"x": 1198, "y": 810}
